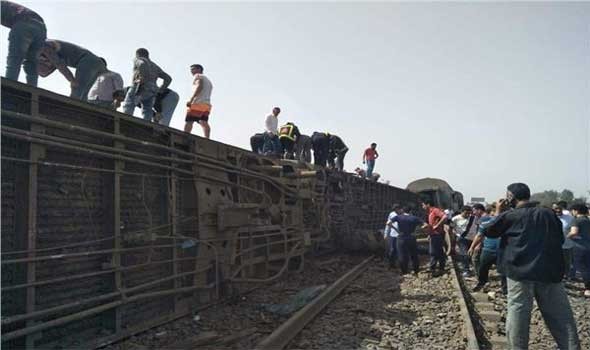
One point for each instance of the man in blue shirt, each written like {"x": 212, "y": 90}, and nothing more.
{"x": 489, "y": 252}
{"x": 531, "y": 239}
{"x": 407, "y": 248}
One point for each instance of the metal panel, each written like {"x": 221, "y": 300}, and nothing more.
{"x": 126, "y": 224}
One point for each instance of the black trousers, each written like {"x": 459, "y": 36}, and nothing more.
{"x": 582, "y": 263}
{"x": 340, "y": 159}
{"x": 407, "y": 250}
{"x": 257, "y": 142}
{"x": 464, "y": 258}
{"x": 288, "y": 147}
{"x": 437, "y": 252}
{"x": 321, "y": 146}
{"x": 486, "y": 260}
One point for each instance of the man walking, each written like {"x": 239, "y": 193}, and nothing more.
{"x": 487, "y": 250}
{"x": 531, "y": 239}
{"x": 26, "y": 38}
{"x": 369, "y": 158}
{"x": 464, "y": 227}
{"x": 199, "y": 105}
{"x": 407, "y": 249}
{"x": 272, "y": 145}
{"x": 436, "y": 222}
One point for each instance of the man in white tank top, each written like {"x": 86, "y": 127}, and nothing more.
{"x": 199, "y": 105}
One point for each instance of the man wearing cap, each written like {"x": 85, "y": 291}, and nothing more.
{"x": 199, "y": 105}
{"x": 532, "y": 259}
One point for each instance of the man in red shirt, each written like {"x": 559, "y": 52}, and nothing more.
{"x": 369, "y": 157}
{"x": 436, "y": 221}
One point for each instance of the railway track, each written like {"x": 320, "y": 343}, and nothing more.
{"x": 368, "y": 306}
{"x": 487, "y": 310}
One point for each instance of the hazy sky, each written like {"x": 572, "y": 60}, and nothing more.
{"x": 480, "y": 95}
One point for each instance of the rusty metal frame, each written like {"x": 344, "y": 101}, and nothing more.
{"x": 257, "y": 251}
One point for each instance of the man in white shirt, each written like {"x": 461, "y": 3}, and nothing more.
{"x": 199, "y": 105}
{"x": 107, "y": 89}
{"x": 390, "y": 235}
{"x": 566, "y": 222}
{"x": 272, "y": 145}
{"x": 464, "y": 227}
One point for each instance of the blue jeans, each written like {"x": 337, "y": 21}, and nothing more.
{"x": 146, "y": 99}
{"x": 392, "y": 254}
{"x": 370, "y": 167}
{"x": 169, "y": 104}
{"x": 464, "y": 258}
{"x": 25, "y": 40}
{"x": 407, "y": 250}
{"x": 555, "y": 309}
{"x": 272, "y": 145}
{"x": 437, "y": 252}
{"x": 87, "y": 70}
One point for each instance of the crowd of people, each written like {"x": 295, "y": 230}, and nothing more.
{"x": 534, "y": 249}
{"x": 287, "y": 142}
{"x": 94, "y": 83}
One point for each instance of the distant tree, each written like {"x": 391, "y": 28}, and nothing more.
{"x": 566, "y": 195}
{"x": 546, "y": 198}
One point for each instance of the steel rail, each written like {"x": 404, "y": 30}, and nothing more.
{"x": 287, "y": 331}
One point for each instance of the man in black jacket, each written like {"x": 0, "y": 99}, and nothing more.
{"x": 320, "y": 142}
{"x": 337, "y": 152}
{"x": 532, "y": 259}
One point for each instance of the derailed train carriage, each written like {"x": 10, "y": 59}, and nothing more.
{"x": 439, "y": 191}
{"x": 111, "y": 225}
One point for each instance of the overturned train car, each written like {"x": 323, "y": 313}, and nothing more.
{"x": 111, "y": 225}
{"x": 439, "y": 191}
